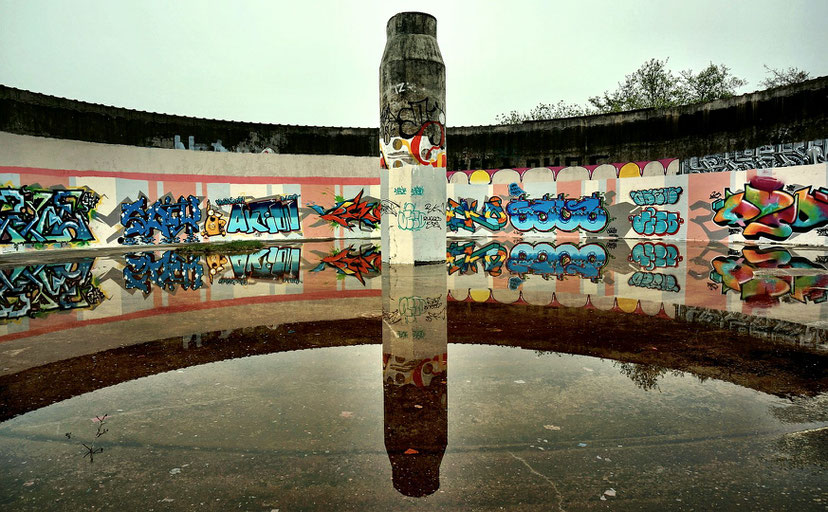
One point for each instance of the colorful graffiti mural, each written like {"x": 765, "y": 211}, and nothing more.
{"x": 547, "y": 260}
{"x": 662, "y": 282}
{"x": 566, "y": 214}
{"x": 167, "y": 270}
{"x": 750, "y": 275}
{"x": 414, "y": 135}
{"x": 765, "y": 209}
{"x": 37, "y": 290}
{"x": 353, "y": 262}
{"x": 463, "y": 258}
{"x": 653, "y": 255}
{"x": 463, "y": 214}
{"x": 33, "y": 215}
{"x": 652, "y": 222}
{"x": 656, "y": 196}
{"x": 166, "y": 216}
{"x": 352, "y": 213}
{"x": 276, "y": 215}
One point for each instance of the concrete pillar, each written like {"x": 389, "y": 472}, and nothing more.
{"x": 415, "y": 379}
{"x": 413, "y": 141}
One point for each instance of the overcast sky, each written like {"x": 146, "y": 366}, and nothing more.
{"x": 316, "y": 62}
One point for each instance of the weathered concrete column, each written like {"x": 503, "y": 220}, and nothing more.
{"x": 413, "y": 141}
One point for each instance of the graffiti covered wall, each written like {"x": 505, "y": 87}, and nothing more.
{"x": 788, "y": 205}
{"x": 40, "y": 208}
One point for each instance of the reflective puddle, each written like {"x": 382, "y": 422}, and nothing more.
{"x": 527, "y": 376}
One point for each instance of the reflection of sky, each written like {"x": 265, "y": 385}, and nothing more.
{"x": 261, "y": 425}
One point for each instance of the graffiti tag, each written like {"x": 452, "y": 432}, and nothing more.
{"x": 764, "y": 209}
{"x": 352, "y": 213}
{"x": 663, "y": 282}
{"x": 165, "y": 215}
{"x": 652, "y": 222}
{"x": 656, "y": 196}
{"x": 33, "y": 215}
{"x": 265, "y": 216}
{"x": 464, "y": 215}
{"x": 546, "y": 214}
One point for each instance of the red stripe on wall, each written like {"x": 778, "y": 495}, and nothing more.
{"x": 195, "y": 178}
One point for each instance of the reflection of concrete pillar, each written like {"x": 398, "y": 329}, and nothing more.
{"x": 413, "y": 141}
{"x": 414, "y": 347}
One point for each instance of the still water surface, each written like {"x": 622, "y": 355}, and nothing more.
{"x": 448, "y": 399}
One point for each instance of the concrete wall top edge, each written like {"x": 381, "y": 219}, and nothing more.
{"x": 43, "y": 152}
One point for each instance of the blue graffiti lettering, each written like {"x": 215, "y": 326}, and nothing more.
{"x": 31, "y": 215}
{"x": 266, "y": 216}
{"x": 546, "y": 214}
{"x": 650, "y": 221}
{"x": 656, "y": 196}
{"x": 165, "y": 215}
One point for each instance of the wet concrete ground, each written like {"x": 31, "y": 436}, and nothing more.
{"x": 516, "y": 387}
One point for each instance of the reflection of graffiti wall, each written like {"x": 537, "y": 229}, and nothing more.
{"x": 353, "y": 262}
{"x": 278, "y": 263}
{"x": 772, "y": 155}
{"x": 762, "y": 327}
{"x": 463, "y": 257}
{"x": 650, "y": 256}
{"x": 166, "y": 270}
{"x": 752, "y": 275}
{"x": 563, "y": 260}
{"x": 37, "y": 290}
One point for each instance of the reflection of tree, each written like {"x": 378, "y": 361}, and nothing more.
{"x": 646, "y": 375}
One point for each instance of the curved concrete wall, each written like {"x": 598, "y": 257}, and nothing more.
{"x": 56, "y": 193}
{"x": 59, "y": 193}
{"x": 785, "y": 114}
